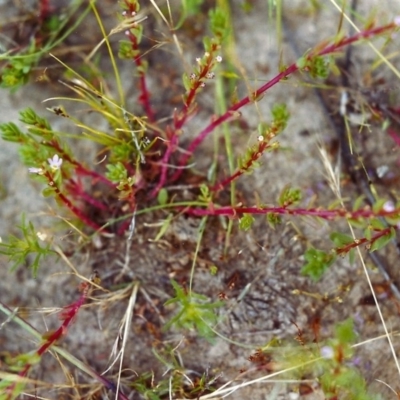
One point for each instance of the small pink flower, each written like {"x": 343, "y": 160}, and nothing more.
{"x": 55, "y": 162}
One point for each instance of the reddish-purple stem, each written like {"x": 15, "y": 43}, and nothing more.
{"x": 181, "y": 117}
{"x": 107, "y": 383}
{"x": 255, "y": 155}
{"x": 76, "y": 190}
{"x": 79, "y": 168}
{"x": 70, "y": 206}
{"x": 164, "y": 164}
{"x": 232, "y": 111}
{"x": 345, "y": 249}
{"x": 229, "y": 211}
{"x": 67, "y": 316}
{"x": 197, "y": 84}
{"x": 44, "y": 10}
{"x": 394, "y": 135}
{"x": 144, "y": 98}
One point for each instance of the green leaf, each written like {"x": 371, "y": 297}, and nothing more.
{"x": 383, "y": 240}
{"x": 29, "y": 117}
{"x": 359, "y": 202}
{"x": 213, "y": 270}
{"x": 246, "y": 222}
{"x": 344, "y": 332}
{"x": 48, "y": 192}
{"x": 19, "y": 250}
{"x": 352, "y": 256}
{"x": 377, "y": 224}
{"x": 116, "y": 172}
{"x": 207, "y": 43}
{"x": 11, "y": 133}
{"x": 162, "y": 196}
{"x": 205, "y": 194}
{"x": 125, "y": 51}
{"x": 164, "y": 227}
{"x": 289, "y": 196}
{"x": 357, "y": 222}
{"x": 194, "y": 311}
{"x": 273, "y": 219}
{"x": 318, "y": 67}
{"x": 187, "y": 83}
{"x": 341, "y": 239}
{"x": 280, "y": 116}
{"x": 301, "y": 62}
{"x": 219, "y": 23}
{"x": 378, "y": 205}
{"x": 318, "y": 262}
{"x": 368, "y": 232}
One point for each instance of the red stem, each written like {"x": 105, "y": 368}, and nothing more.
{"x": 345, "y": 249}
{"x": 180, "y": 118}
{"x": 232, "y": 111}
{"x": 44, "y": 10}
{"x": 76, "y": 190}
{"x": 71, "y": 207}
{"x": 144, "y": 98}
{"x": 312, "y": 212}
{"x": 256, "y": 154}
{"x": 164, "y": 164}
{"x": 104, "y": 381}
{"x": 68, "y": 314}
{"x": 80, "y": 169}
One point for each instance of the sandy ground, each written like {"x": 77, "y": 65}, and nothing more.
{"x": 267, "y": 262}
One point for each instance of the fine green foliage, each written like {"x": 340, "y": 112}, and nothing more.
{"x": 317, "y": 66}
{"x": 195, "y": 312}
{"x": 289, "y": 196}
{"x": 317, "y": 262}
{"x": 16, "y": 65}
{"x": 21, "y": 250}
{"x": 340, "y": 378}
{"x": 246, "y": 222}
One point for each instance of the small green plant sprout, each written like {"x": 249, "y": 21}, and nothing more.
{"x": 340, "y": 377}
{"x": 317, "y": 67}
{"x": 32, "y": 244}
{"x": 195, "y": 312}
{"x": 332, "y": 364}
{"x": 51, "y": 29}
{"x": 317, "y": 263}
